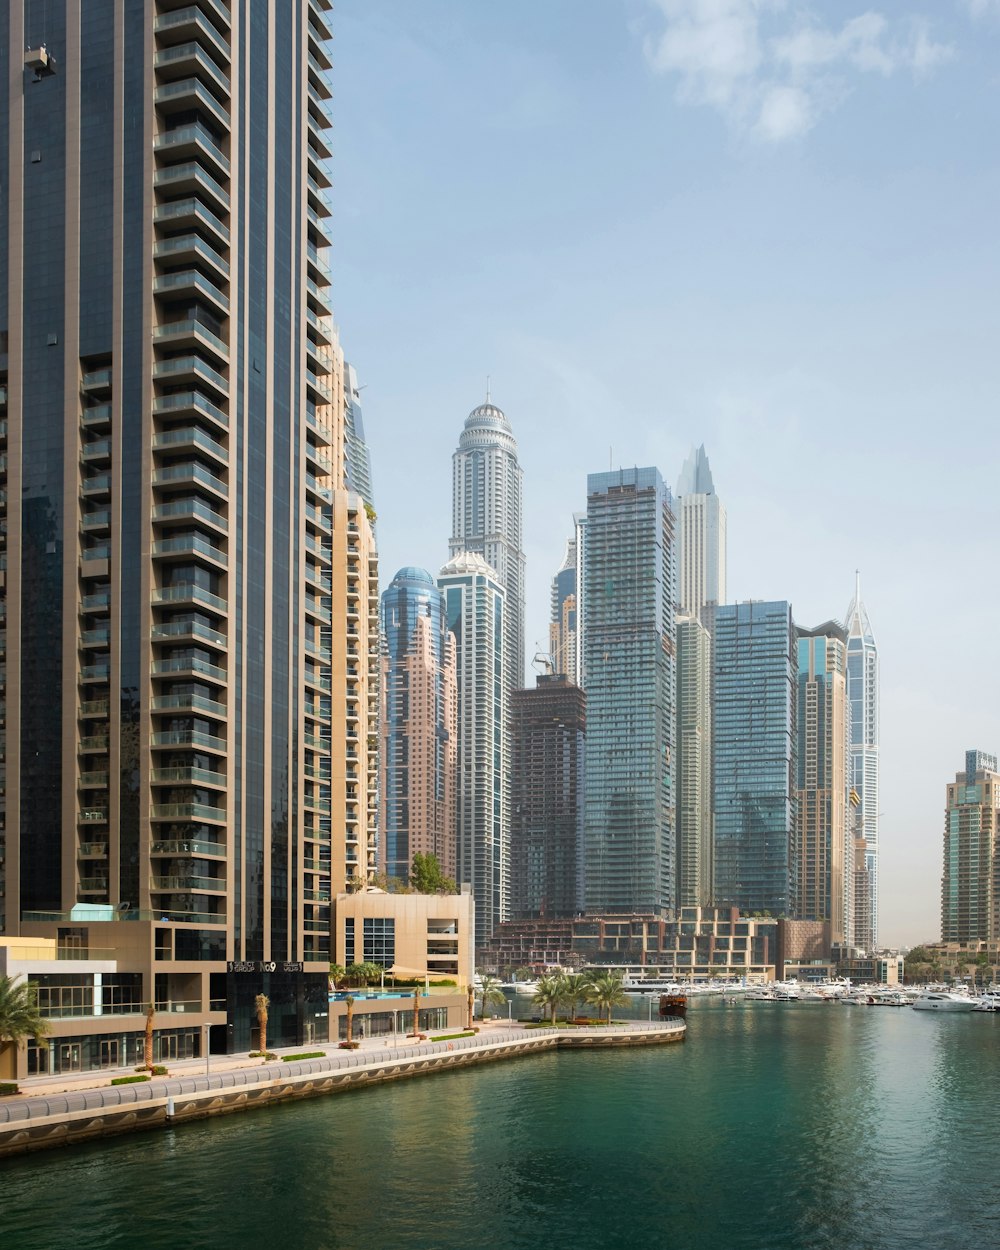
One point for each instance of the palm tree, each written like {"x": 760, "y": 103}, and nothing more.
{"x": 349, "y": 1000}
{"x": 575, "y": 986}
{"x": 19, "y": 1014}
{"x": 337, "y": 974}
{"x": 605, "y": 991}
{"x": 261, "y": 1004}
{"x": 490, "y": 994}
{"x": 472, "y": 1005}
{"x": 550, "y": 993}
{"x": 147, "y": 1052}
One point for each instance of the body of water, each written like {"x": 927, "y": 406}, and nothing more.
{"x": 774, "y": 1126}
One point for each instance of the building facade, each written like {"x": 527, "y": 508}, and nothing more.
{"x": 546, "y": 836}
{"x": 418, "y": 728}
{"x": 695, "y": 823}
{"x": 863, "y": 694}
{"x": 755, "y": 740}
{"x": 563, "y": 616}
{"x": 487, "y": 517}
{"x": 824, "y": 887}
{"x": 176, "y": 518}
{"x": 475, "y": 604}
{"x": 970, "y": 882}
{"x": 630, "y": 582}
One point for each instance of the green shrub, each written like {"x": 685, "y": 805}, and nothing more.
{"x": 449, "y": 1037}
{"x": 159, "y": 1070}
{"x": 128, "y": 1080}
{"x": 306, "y": 1054}
{"x": 8, "y": 1087}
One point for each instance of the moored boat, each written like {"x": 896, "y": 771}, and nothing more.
{"x": 944, "y": 1000}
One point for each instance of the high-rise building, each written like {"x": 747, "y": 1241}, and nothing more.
{"x": 863, "y": 695}
{"x": 970, "y": 884}
{"x": 418, "y": 727}
{"x": 754, "y": 731}
{"x": 477, "y": 616}
{"x": 630, "y": 586}
{"x": 188, "y": 595}
{"x": 487, "y": 517}
{"x": 701, "y": 534}
{"x": 546, "y": 838}
{"x": 824, "y": 886}
{"x": 563, "y": 616}
{"x": 695, "y": 842}
{"x": 357, "y": 461}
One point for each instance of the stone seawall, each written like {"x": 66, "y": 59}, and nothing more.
{"x": 46, "y": 1121}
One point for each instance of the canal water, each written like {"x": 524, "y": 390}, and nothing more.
{"x": 773, "y": 1126}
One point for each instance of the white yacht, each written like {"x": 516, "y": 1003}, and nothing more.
{"x": 944, "y": 1000}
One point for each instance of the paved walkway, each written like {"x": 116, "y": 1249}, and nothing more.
{"x": 46, "y": 1096}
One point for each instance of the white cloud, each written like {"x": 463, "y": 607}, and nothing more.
{"x": 983, "y": 8}
{"x": 770, "y": 68}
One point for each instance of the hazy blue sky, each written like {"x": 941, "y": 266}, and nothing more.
{"x": 765, "y": 225}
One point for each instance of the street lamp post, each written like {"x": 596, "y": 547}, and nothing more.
{"x": 208, "y": 1029}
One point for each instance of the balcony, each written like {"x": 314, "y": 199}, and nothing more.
{"x": 195, "y": 141}
{"x": 191, "y": 177}
{"x": 190, "y": 369}
{"x": 93, "y": 816}
{"x": 190, "y": 23}
{"x": 208, "y": 885}
{"x": 96, "y": 418}
{"x": 188, "y": 738}
{"x": 92, "y": 850}
{"x": 175, "y": 630}
{"x": 179, "y": 510}
{"x": 190, "y": 212}
{"x": 191, "y": 665}
{"x": 96, "y": 382}
{"x": 93, "y": 781}
{"x": 189, "y": 474}
{"x": 216, "y": 850}
{"x": 184, "y": 59}
{"x": 96, "y": 521}
{"x": 189, "y": 402}
{"x": 189, "y": 249}
{"x": 193, "y": 776}
{"x": 189, "y": 703}
{"x": 93, "y": 743}
{"x": 189, "y": 94}
{"x": 187, "y": 811}
{"x": 192, "y": 284}
{"x": 188, "y": 592}
{"x": 190, "y": 544}
{"x": 190, "y": 436}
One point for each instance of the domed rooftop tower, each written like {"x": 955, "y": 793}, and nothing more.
{"x": 487, "y": 516}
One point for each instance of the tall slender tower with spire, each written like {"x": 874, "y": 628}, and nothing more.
{"x": 701, "y": 522}
{"x": 487, "y": 517}
{"x": 862, "y": 695}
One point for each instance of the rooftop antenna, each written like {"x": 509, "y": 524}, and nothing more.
{"x": 487, "y": 388}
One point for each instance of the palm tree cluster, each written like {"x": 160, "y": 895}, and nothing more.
{"x": 602, "y": 989}
{"x": 20, "y": 1017}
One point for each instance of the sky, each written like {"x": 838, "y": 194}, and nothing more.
{"x": 768, "y": 226}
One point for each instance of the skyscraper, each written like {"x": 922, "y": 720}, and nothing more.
{"x": 487, "y": 517}
{"x": 418, "y": 727}
{"x": 630, "y": 581}
{"x": 357, "y": 461}
{"x": 695, "y": 825}
{"x": 563, "y": 616}
{"x": 546, "y": 838}
{"x": 188, "y": 580}
{"x": 701, "y": 531}
{"x": 863, "y": 694}
{"x": 476, "y": 615}
{"x": 970, "y": 883}
{"x": 825, "y": 846}
{"x": 755, "y": 733}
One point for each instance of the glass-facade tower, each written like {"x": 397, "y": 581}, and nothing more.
{"x": 630, "y": 585}
{"x": 970, "y": 882}
{"x": 418, "y": 727}
{"x": 476, "y": 606}
{"x": 863, "y": 695}
{"x": 754, "y": 729}
{"x": 172, "y": 459}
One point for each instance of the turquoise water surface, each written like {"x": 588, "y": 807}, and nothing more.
{"x": 774, "y": 1125}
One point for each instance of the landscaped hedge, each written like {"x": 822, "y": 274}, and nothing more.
{"x": 128, "y": 1080}
{"x": 306, "y": 1054}
{"x": 8, "y": 1087}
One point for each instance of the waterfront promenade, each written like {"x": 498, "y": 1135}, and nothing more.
{"x": 60, "y": 1110}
